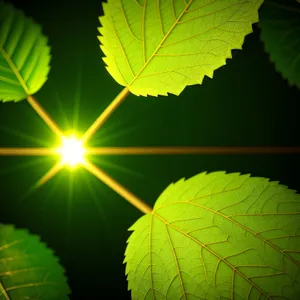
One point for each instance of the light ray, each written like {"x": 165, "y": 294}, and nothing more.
{"x": 96, "y": 201}
{"x": 190, "y": 150}
{"x": 20, "y": 134}
{"x": 98, "y": 172}
{"x": 52, "y": 189}
{"x": 77, "y": 97}
{"x": 116, "y": 167}
{"x": 105, "y": 114}
{"x": 60, "y": 104}
{"x": 33, "y": 189}
{"x": 49, "y": 175}
{"x": 28, "y": 151}
{"x": 21, "y": 166}
{"x": 117, "y": 129}
{"x": 110, "y": 134}
{"x": 53, "y": 186}
{"x": 69, "y": 210}
{"x": 117, "y": 187}
{"x": 44, "y": 115}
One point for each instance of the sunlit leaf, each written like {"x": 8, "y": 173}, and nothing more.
{"x": 280, "y": 32}
{"x": 157, "y": 47}
{"x": 24, "y": 55}
{"x": 29, "y": 270}
{"x": 217, "y": 236}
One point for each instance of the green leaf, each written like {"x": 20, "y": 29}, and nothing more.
{"x": 280, "y": 32}
{"x": 157, "y": 47}
{"x": 28, "y": 270}
{"x": 217, "y": 236}
{"x": 24, "y": 55}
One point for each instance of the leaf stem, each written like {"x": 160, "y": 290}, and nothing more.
{"x": 118, "y": 188}
{"x": 44, "y": 115}
{"x": 27, "y": 151}
{"x": 105, "y": 114}
{"x": 190, "y": 150}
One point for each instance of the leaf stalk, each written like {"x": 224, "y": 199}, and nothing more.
{"x": 105, "y": 114}
{"x": 117, "y": 187}
{"x": 44, "y": 115}
{"x": 27, "y": 151}
{"x": 190, "y": 150}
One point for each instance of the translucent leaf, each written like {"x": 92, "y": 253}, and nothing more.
{"x": 217, "y": 236}
{"x": 24, "y": 55}
{"x": 280, "y": 32}
{"x": 29, "y": 270}
{"x": 157, "y": 47}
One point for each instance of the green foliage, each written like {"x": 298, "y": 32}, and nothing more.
{"x": 280, "y": 32}
{"x": 213, "y": 236}
{"x": 217, "y": 236}
{"x": 24, "y": 55}
{"x": 28, "y": 270}
{"x": 160, "y": 47}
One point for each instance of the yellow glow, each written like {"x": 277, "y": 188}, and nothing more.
{"x": 72, "y": 151}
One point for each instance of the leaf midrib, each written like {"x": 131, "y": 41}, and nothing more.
{"x": 162, "y": 41}
{"x": 14, "y": 69}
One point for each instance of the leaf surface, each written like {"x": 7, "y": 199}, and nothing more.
{"x": 29, "y": 270}
{"x": 217, "y": 236}
{"x": 157, "y": 47}
{"x": 24, "y": 55}
{"x": 280, "y": 32}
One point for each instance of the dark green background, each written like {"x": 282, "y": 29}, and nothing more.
{"x": 246, "y": 104}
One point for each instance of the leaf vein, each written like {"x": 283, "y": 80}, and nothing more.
{"x": 143, "y": 31}
{"x": 246, "y": 229}
{"x": 138, "y": 3}
{"x": 14, "y": 69}
{"x": 162, "y": 41}
{"x": 212, "y": 252}
{"x": 199, "y": 7}
{"x": 33, "y": 284}
{"x": 201, "y": 33}
{"x": 11, "y": 244}
{"x": 10, "y": 81}
{"x": 185, "y": 54}
{"x": 217, "y": 11}
{"x": 25, "y": 270}
{"x": 267, "y": 275}
{"x": 5, "y": 69}
{"x": 160, "y": 18}
{"x": 122, "y": 48}
{"x": 150, "y": 256}
{"x": 176, "y": 260}
{"x": 173, "y": 9}
{"x": 127, "y": 23}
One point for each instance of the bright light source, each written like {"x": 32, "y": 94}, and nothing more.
{"x": 72, "y": 151}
